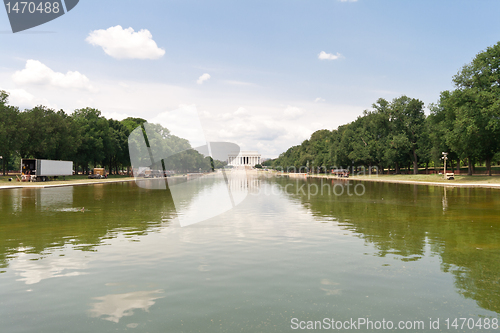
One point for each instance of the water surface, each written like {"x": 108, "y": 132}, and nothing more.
{"x": 114, "y": 257}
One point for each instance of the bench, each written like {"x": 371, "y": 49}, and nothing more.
{"x": 449, "y": 176}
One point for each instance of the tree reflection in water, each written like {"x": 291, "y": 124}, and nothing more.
{"x": 461, "y": 225}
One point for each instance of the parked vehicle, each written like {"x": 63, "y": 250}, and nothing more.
{"x": 98, "y": 173}
{"x": 153, "y": 174}
{"x": 40, "y": 170}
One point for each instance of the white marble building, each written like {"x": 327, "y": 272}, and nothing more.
{"x": 244, "y": 158}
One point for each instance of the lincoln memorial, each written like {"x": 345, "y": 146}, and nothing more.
{"x": 244, "y": 158}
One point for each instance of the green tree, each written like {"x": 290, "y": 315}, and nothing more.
{"x": 131, "y": 123}
{"x": 424, "y": 149}
{"x": 10, "y": 133}
{"x": 116, "y": 146}
{"x": 93, "y": 130}
{"x": 407, "y": 118}
{"x": 47, "y": 134}
{"x": 476, "y": 101}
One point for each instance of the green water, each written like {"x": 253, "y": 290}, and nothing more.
{"x": 108, "y": 258}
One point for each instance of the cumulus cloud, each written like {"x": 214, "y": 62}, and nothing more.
{"x": 122, "y": 43}
{"x": 37, "y": 73}
{"x": 203, "y": 78}
{"x": 242, "y": 126}
{"x": 255, "y": 130}
{"x": 239, "y": 83}
{"x": 255, "y": 127}
{"x": 240, "y": 111}
{"x": 329, "y": 56}
{"x": 319, "y": 99}
{"x": 183, "y": 122}
{"x": 20, "y": 97}
{"x": 250, "y": 120}
{"x": 26, "y": 100}
{"x": 293, "y": 112}
{"x": 270, "y": 127}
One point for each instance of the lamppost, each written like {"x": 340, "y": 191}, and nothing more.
{"x": 445, "y": 157}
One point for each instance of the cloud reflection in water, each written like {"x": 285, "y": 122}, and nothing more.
{"x": 116, "y": 306}
{"x": 33, "y": 269}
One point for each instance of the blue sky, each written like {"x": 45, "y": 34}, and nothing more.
{"x": 267, "y": 88}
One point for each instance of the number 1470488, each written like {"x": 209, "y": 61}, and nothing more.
{"x": 471, "y": 323}
{"x": 23, "y": 7}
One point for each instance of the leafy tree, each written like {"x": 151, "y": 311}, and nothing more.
{"x": 10, "y": 134}
{"x": 440, "y": 125}
{"x": 268, "y": 163}
{"x": 117, "y": 145}
{"x": 407, "y": 118}
{"x": 47, "y": 134}
{"x": 424, "y": 148}
{"x": 220, "y": 164}
{"x": 476, "y": 101}
{"x": 93, "y": 131}
{"x": 131, "y": 123}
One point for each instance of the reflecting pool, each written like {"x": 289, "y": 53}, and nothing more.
{"x": 113, "y": 257}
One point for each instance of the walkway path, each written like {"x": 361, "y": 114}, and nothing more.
{"x": 66, "y": 183}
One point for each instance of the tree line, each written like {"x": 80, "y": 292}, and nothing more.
{"x": 465, "y": 123}
{"x": 85, "y": 137}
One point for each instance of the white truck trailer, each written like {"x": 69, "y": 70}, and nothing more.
{"x": 40, "y": 170}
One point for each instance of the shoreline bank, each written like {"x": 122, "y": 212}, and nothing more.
{"x": 66, "y": 183}
{"x": 75, "y": 182}
{"x": 419, "y": 182}
{"x": 433, "y": 180}
{"x": 437, "y": 181}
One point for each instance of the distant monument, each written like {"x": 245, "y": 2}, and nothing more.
{"x": 244, "y": 158}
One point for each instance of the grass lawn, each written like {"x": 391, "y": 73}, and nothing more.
{"x": 460, "y": 179}
{"x": 481, "y": 180}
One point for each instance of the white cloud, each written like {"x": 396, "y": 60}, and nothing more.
{"x": 122, "y": 43}
{"x": 37, "y": 73}
{"x": 239, "y": 83}
{"x": 111, "y": 115}
{"x": 269, "y": 129}
{"x": 240, "y": 111}
{"x": 329, "y": 56}
{"x": 272, "y": 128}
{"x": 238, "y": 114}
{"x": 205, "y": 114}
{"x": 250, "y": 119}
{"x": 183, "y": 122}
{"x": 319, "y": 99}
{"x": 203, "y": 78}
{"x": 254, "y": 129}
{"x": 293, "y": 112}
{"x": 25, "y": 100}
{"x": 20, "y": 97}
